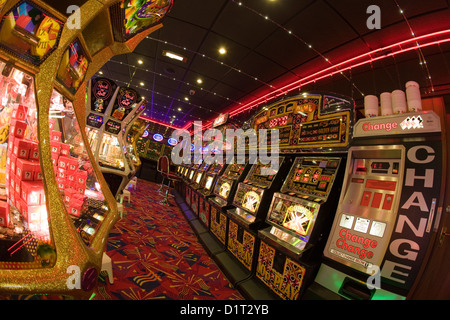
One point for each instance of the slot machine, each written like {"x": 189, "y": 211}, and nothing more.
{"x": 224, "y": 191}
{"x": 222, "y": 123}
{"x": 388, "y": 208}
{"x": 110, "y": 110}
{"x": 55, "y": 208}
{"x": 246, "y": 215}
{"x": 315, "y": 130}
{"x": 196, "y": 184}
{"x": 206, "y": 191}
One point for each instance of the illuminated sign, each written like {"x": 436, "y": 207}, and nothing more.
{"x": 172, "y": 142}
{"x": 158, "y": 137}
{"x": 221, "y": 119}
{"x": 146, "y": 133}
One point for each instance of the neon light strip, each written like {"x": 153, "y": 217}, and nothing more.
{"x": 317, "y": 76}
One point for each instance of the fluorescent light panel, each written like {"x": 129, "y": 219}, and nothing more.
{"x": 174, "y": 56}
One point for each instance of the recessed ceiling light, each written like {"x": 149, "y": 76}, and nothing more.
{"x": 186, "y": 98}
{"x": 199, "y": 81}
{"x": 142, "y": 84}
{"x": 179, "y": 109}
{"x": 173, "y": 55}
{"x": 222, "y": 50}
{"x": 140, "y": 61}
{"x": 100, "y": 72}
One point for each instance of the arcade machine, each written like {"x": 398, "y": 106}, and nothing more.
{"x": 389, "y": 207}
{"x": 110, "y": 110}
{"x": 315, "y": 130}
{"x": 55, "y": 208}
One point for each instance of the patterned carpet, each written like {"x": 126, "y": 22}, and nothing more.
{"x": 156, "y": 255}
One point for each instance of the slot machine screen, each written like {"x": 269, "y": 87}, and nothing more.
{"x": 209, "y": 181}
{"x": 223, "y": 187}
{"x": 191, "y": 174}
{"x": 294, "y": 216}
{"x": 311, "y": 176}
{"x": 248, "y": 197}
{"x": 198, "y": 178}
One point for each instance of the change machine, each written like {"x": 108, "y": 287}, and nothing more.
{"x": 388, "y": 208}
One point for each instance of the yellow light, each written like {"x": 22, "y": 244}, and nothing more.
{"x": 140, "y": 61}
{"x": 142, "y": 84}
{"x": 199, "y": 81}
{"x": 222, "y": 50}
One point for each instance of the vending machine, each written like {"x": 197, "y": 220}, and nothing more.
{"x": 389, "y": 206}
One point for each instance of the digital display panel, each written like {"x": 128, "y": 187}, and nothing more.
{"x": 112, "y": 127}
{"x": 312, "y": 176}
{"x": 191, "y": 174}
{"x": 94, "y": 120}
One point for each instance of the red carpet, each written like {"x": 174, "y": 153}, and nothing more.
{"x": 156, "y": 255}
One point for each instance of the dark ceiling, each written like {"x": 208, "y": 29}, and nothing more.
{"x": 272, "y": 43}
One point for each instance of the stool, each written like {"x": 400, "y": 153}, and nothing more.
{"x": 120, "y": 210}
{"x": 125, "y": 194}
{"x": 107, "y": 266}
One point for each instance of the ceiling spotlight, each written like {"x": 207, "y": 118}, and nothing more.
{"x": 179, "y": 109}
{"x": 199, "y": 81}
{"x": 142, "y": 84}
{"x": 222, "y": 50}
{"x": 140, "y": 61}
{"x": 100, "y": 72}
{"x": 186, "y": 98}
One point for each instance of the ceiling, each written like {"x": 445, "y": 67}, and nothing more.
{"x": 283, "y": 47}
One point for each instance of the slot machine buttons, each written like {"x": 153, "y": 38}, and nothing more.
{"x": 366, "y": 198}
{"x": 376, "y": 200}
{"x": 387, "y": 204}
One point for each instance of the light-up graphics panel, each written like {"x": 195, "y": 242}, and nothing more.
{"x": 141, "y": 15}
{"x": 308, "y": 121}
{"x": 30, "y": 32}
{"x": 248, "y": 197}
{"x": 292, "y": 217}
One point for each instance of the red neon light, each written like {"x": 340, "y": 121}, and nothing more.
{"x": 317, "y": 76}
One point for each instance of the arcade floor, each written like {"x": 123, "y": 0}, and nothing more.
{"x": 156, "y": 255}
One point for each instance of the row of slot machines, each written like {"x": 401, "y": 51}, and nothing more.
{"x": 336, "y": 214}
